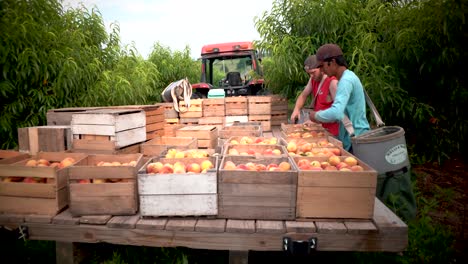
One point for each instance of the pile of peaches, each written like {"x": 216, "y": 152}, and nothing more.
{"x": 334, "y": 163}
{"x": 190, "y": 153}
{"x": 179, "y": 167}
{"x": 253, "y": 152}
{"x": 245, "y": 140}
{"x": 304, "y": 148}
{"x": 252, "y": 166}
{"x": 132, "y": 163}
{"x": 307, "y": 134}
{"x": 68, "y": 161}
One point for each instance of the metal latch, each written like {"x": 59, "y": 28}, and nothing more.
{"x": 23, "y": 232}
{"x": 299, "y": 247}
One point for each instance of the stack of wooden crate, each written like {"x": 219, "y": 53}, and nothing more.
{"x": 109, "y": 131}
{"x": 236, "y": 110}
{"x": 279, "y": 110}
{"x": 190, "y": 115}
{"x": 63, "y": 116}
{"x": 213, "y": 112}
{"x": 171, "y": 119}
{"x": 260, "y": 110}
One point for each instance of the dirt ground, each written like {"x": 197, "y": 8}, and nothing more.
{"x": 450, "y": 212}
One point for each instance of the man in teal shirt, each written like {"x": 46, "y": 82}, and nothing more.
{"x": 349, "y": 99}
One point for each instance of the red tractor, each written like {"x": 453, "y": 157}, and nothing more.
{"x": 233, "y": 67}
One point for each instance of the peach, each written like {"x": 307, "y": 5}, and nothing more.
{"x": 116, "y": 163}
{"x": 242, "y": 167}
{"x": 351, "y": 161}
{"x": 251, "y": 166}
{"x": 179, "y": 155}
{"x": 179, "y": 167}
{"x": 258, "y": 140}
{"x": 43, "y": 162}
{"x": 336, "y": 151}
{"x": 276, "y": 152}
{"x": 272, "y": 166}
{"x": 171, "y": 153}
{"x": 341, "y": 165}
{"x": 97, "y": 181}
{"x": 84, "y": 181}
{"x": 66, "y": 162}
{"x": 31, "y": 163}
{"x": 330, "y": 168}
{"x": 303, "y": 162}
{"x": 356, "y": 168}
{"x": 206, "y": 165}
{"x": 315, "y": 168}
{"x": 166, "y": 169}
{"x": 194, "y": 167}
{"x": 233, "y": 151}
{"x": 229, "y": 165}
{"x": 157, "y": 166}
{"x": 132, "y": 163}
{"x": 292, "y": 146}
{"x": 334, "y": 160}
{"x": 260, "y": 167}
{"x": 268, "y": 151}
{"x": 251, "y": 151}
{"x": 244, "y": 153}
{"x": 324, "y": 164}
{"x": 344, "y": 169}
{"x": 315, "y": 163}
{"x": 273, "y": 141}
{"x": 234, "y": 142}
{"x": 284, "y": 166}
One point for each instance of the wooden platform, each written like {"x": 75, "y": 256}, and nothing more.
{"x": 386, "y": 232}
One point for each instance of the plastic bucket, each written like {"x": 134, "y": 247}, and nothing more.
{"x": 384, "y": 148}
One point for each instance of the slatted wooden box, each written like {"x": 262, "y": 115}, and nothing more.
{"x": 217, "y": 121}
{"x": 11, "y": 156}
{"x": 279, "y": 110}
{"x": 169, "y": 111}
{"x": 262, "y": 195}
{"x": 41, "y": 190}
{"x": 155, "y": 119}
{"x": 63, "y": 116}
{"x": 108, "y": 129}
{"x": 44, "y": 138}
{"x": 206, "y": 135}
{"x": 259, "y": 105}
{"x": 194, "y": 110}
{"x": 265, "y": 120}
{"x": 231, "y": 120}
{"x": 170, "y": 129}
{"x": 158, "y": 145}
{"x": 213, "y": 107}
{"x": 335, "y": 194}
{"x": 236, "y": 106}
{"x": 247, "y": 130}
{"x": 97, "y": 188}
{"x": 178, "y": 194}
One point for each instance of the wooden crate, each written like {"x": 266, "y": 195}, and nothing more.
{"x": 255, "y": 150}
{"x": 123, "y": 127}
{"x": 102, "y": 189}
{"x": 169, "y": 111}
{"x": 155, "y": 119}
{"x": 206, "y": 135}
{"x": 47, "y": 195}
{"x": 194, "y": 110}
{"x": 158, "y": 145}
{"x": 63, "y": 116}
{"x": 11, "y": 156}
{"x": 217, "y": 121}
{"x": 262, "y": 195}
{"x": 44, "y": 138}
{"x": 213, "y": 107}
{"x": 335, "y": 194}
{"x": 189, "y": 120}
{"x": 170, "y": 129}
{"x": 245, "y": 140}
{"x": 236, "y": 106}
{"x": 260, "y": 105}
{"x": 231, "y": 120}
{"x": 264, "y": 119}
{"x": 249, "y": 131}
{"x": 178, "y": 194}
{"x": 279, "y": 110}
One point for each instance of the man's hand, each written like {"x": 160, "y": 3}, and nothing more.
{"x": 295, "y": 115}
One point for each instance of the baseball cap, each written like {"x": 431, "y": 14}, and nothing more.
{"x": 310, "y": 62}
{"x": 327, "y": 51}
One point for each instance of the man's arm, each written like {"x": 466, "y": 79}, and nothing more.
{"x": 300, "y": 101}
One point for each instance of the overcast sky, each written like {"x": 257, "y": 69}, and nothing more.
{"x": 180, "y": 23}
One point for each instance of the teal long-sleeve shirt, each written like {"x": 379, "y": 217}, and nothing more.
{"x": 349, "y": 100}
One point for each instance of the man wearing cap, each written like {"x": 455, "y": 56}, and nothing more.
{"x": 349, "y": 100}
{"x": 322, "y": 88}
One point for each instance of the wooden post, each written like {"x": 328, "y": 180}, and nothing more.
{"x": 238, "y": 257}
{"x": 69, "y": 252}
